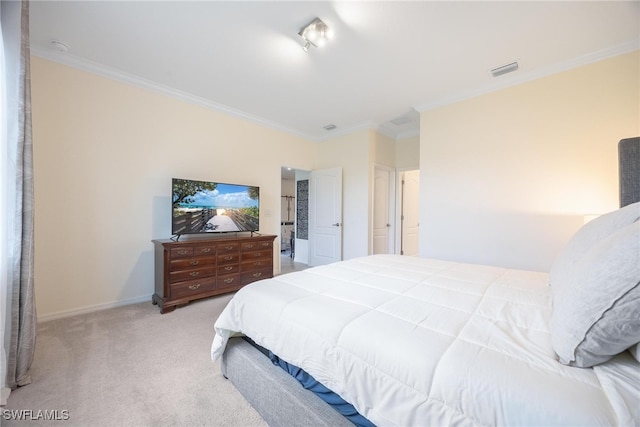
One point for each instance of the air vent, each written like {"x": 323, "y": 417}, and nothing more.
{"x": 504, "y": 69}
{"x": 403, "y": 120}
{"x": 59, "y": 46}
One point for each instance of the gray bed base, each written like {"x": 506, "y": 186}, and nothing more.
{"x": 274, "y": 394}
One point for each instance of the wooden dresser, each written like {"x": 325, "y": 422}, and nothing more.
{"x": 199, "y": 268}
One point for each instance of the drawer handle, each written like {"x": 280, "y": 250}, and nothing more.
{"x": 194, "y": 287}
{"x": 249, "y": 245}
{"x": 206, "y": 250}
{"x": 257, "y": 263}
{"x": 228, "y": 247}
{"x": 228, "y": 280}
{"x": 194, "y": 273}
{"x": 265, "y": 244}
{"x": 194, "y": 262}
{"x": 183, "y": 251}
{"x": 229, "y": 258}
{"x": 257, "y": 254}
{"x": 257, "y": 274}
{"x": 228, "y": 268}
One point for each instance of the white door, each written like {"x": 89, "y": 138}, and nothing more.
{"x": 381, "y": 233}
{"x": 325, "y": 216}
{"x": 410, "y": 215}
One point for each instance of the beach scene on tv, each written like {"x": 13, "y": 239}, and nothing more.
{"x": 213, "y": 207}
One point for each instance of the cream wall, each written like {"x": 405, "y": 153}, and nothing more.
{"x": 383, "y": 150}
{"x": 512, "y": 178}
{"x": 407, "y": 153}
{"x": 507, "y": 177}
{"x": 104, "y": 155}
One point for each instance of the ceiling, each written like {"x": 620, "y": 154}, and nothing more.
{"x": 388, "y": 60}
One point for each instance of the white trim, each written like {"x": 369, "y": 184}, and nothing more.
{"x": 93, "y": 308}
{"x": 77, "y": 62}
{"x": 117, "y": 75}
{"x": 501, "y": 83}
{"x": 516, "y": 79}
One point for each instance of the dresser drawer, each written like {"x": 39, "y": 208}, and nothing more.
{"x": 252, "y": 276}
{"x": 229, "y": 281}
{"x": 181, "y": 252}
{"x": 192, "y": 287}
{"x": 223, "y": 270}
{"x": 254, "y": 246}
{"x": 196, "y": 273}
{"x": 246, "y": 256}
{"x": 204, "y": 250}
{"x": 256, "y": 264}
{"x": 230, "y": 258}
{"x": 193, "y": 250}
{"x": 227, "y": 247}
{"x": 190, "y": 263}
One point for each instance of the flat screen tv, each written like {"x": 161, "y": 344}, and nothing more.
{"x": 213, "y": 207}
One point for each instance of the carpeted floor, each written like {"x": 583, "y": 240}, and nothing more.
{"x": 131, "y": 366}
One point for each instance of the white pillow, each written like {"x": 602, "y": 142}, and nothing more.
{"x": 596, "y": 303}
{"x": 587, "y": 236}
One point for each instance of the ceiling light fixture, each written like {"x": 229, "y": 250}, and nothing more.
{"x": 315, "y": 33}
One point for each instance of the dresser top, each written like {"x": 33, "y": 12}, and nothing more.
{"x": 218, "y": 238}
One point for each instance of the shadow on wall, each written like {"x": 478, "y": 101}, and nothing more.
{"x": 161, "y": 218}
{"x": 140, "y": 281}
{"x": 508, "y": 239}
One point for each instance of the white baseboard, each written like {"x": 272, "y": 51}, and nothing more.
{"x": 92, "y": 308}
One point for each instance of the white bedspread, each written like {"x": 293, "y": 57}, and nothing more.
{"x": 420, "y": 342}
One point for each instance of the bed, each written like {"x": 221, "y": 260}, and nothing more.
{"x": 410, "y": 341}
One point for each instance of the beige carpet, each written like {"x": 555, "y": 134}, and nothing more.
{"x": 132, "y": 366}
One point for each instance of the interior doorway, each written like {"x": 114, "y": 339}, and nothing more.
{"x": 396, "y": 214}
{"x": 293, "y": 220}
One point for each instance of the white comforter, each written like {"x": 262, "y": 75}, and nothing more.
{"x": 420, "y": 342}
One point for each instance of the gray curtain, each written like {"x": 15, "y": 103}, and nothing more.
{"x": 21, "y": 298}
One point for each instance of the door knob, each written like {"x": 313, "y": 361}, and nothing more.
{"x": 337, "y": 224}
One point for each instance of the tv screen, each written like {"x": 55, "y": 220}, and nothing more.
{"x": 214, "y": 207}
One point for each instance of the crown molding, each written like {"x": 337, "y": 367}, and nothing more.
{"x": 510, "y": 80}
{"x": 120, "y": 76}
{"x": 517, "y": 79}
{"x": 73, "y": 61}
